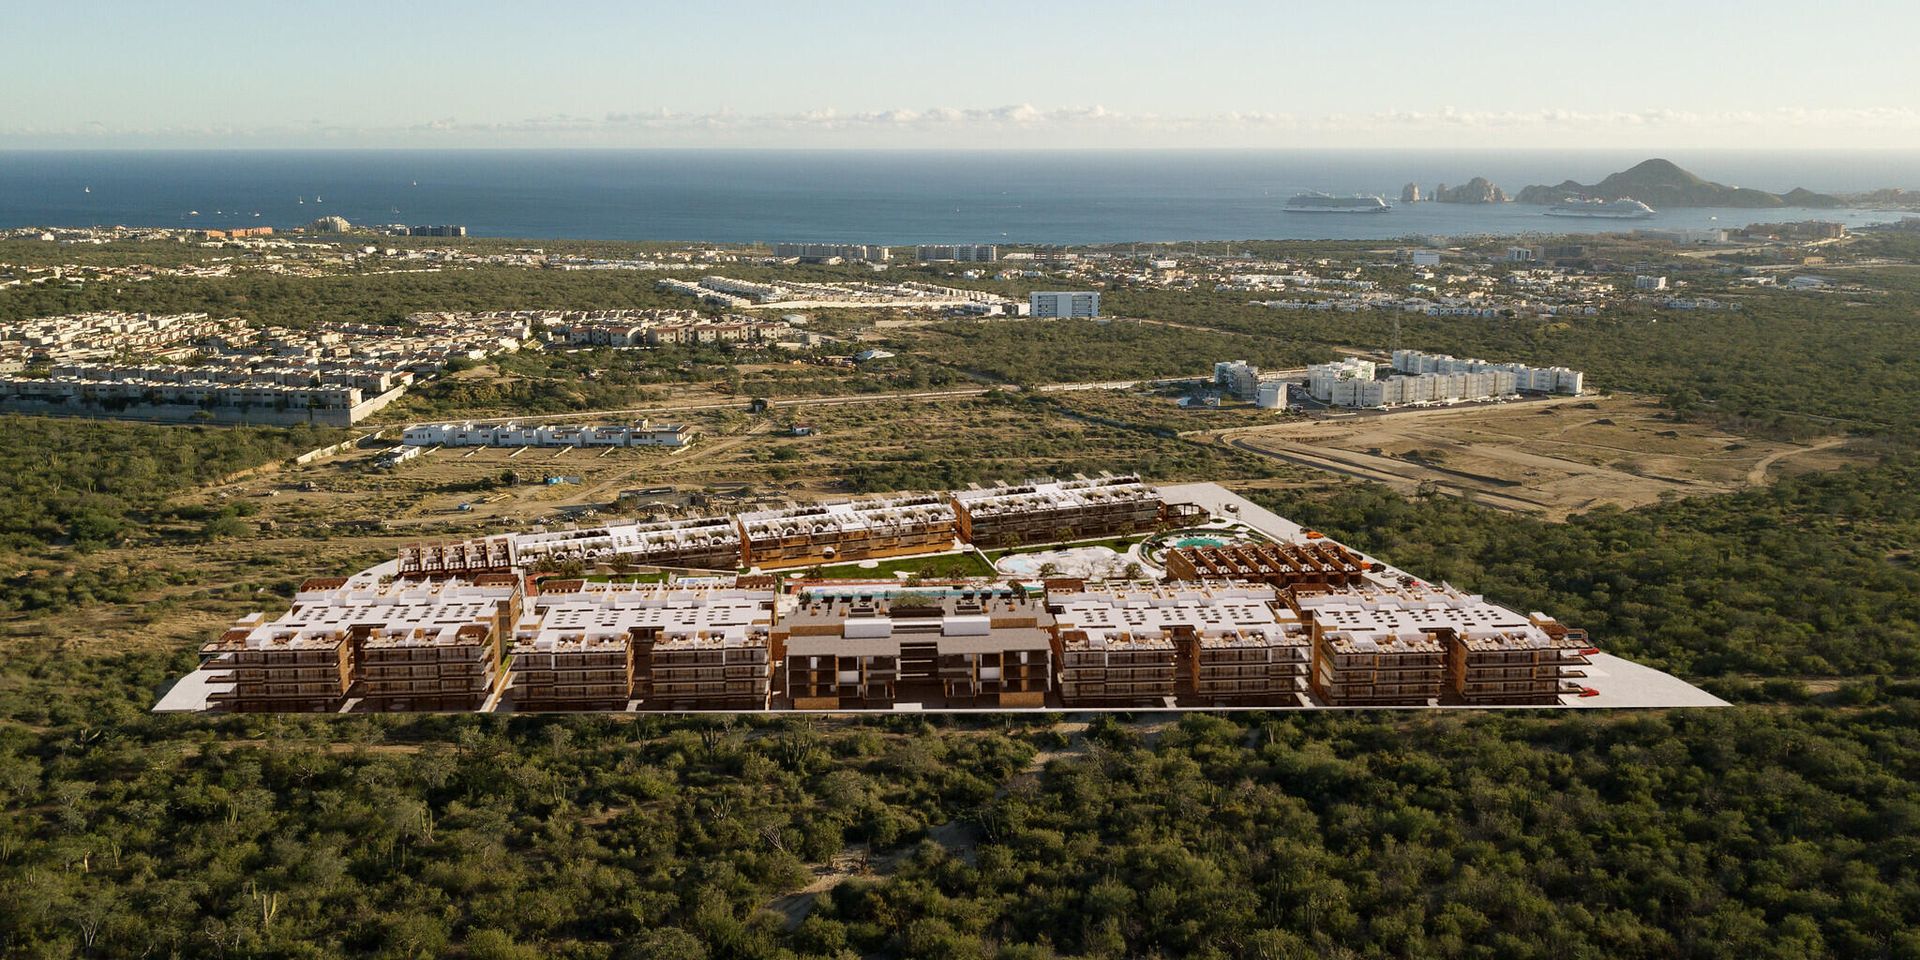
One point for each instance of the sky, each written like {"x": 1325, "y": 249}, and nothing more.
{"x": 1756, "y": 74}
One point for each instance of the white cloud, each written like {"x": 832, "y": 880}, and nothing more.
{"x": 1088, "y": 125}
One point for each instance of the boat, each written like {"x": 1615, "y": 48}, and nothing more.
{"x": 1328, "y": 203}
{"x": 86, "y": 189}
{"x": 1625, "y": 208}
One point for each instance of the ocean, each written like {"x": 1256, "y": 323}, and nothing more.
{"x": 891, "y": 197}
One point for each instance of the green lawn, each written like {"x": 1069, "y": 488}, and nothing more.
{"x": 658, "y": 576}
{"x": 1116, "y": 544}
{"x": 944, "y": 566}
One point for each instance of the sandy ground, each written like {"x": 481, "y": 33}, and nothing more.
{"x": 1552, "y": 458}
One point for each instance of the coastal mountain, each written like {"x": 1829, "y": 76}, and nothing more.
{"x": 1477, "y": 190}
{"x": 1662, "y": 183}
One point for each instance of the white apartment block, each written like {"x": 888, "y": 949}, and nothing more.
{"x": 1526, "y": 378}
{"x": 1238, "y": 378}
{"x": 869, "y": 252}
{"x": 1322, "y": 378}
{"x": 962, "y": 252}
{"x": 1271, "y": 394}
{"x": 514, "y": 434}
{"x": 1073, "y": 303}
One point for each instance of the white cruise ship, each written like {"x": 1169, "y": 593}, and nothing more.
{"x": 1328, "y": 203}
{"x": 1624, "y": 208}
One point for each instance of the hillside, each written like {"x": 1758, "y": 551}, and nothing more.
{"x": 1662, "y": 183}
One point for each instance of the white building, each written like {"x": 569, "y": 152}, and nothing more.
{"x": 514, "y": 434}
{"x": 963, "y": 252}
{"x": 1271, "y": 394}
{"x": 872, "y": 253}
{"x": 1649, "y": 283}
{"x": 1525, "y": 378}
{"x": 1322, "y": 378}
{"x": 1425, "y": 258}
{"x": 1076, "y": 303}
{"x": 1237, "y": 377}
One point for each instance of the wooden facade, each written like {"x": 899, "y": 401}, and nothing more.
{"x": 1276, "y": 564}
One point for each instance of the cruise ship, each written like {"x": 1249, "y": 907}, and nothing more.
{"x": 1328, "y": 203}
{"x": 1624, "y": 208}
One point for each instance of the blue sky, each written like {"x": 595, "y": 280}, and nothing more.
{"x": 1756, "y": 74}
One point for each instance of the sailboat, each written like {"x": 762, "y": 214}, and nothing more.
{"x": 86, "y": 189}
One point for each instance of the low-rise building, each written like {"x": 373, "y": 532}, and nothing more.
{"x": 845, "y": 531}
{"x": 1237, "y": 378}
{"x": 1374, "y": 646}
{"x": 1040, "y": 511}
{"x": 599, "y": 645}
{"x": 394, "y": 644}
{"x": 984, "y": 647}
{"x": 643, "y": 433}
{"x": 962, "y": 252}
{"x": 1274, "y": 564}
{"x": 1146, "y": 644}
{"x": 868, "y": 252}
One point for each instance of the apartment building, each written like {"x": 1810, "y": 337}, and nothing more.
{"x": 703, "y": 543}
{"x": 1532, "y": 665}
{"x": 586, "y": 646}
{"x": 1419, "y": 645}
{"x": 1528, "y": 378}
{"x": 643, "y": 433}
{"x": 1041, "y": 511}
{"x": 394, "y": 644}
{"x": 1063, "y": 303}
{"x": 102, "y": 335}
{"x": 855, "y": 530}
{"x": 442, "y": 647}
{"x": 981, "y": 647}
{"x": 1237, "y": 378}
{"x": 1143, "y": 643}
{"x": 1274, "y": 564}
{"x": 294, "y": 664}
{"x": 962, "y": 252}
{"x": 459, "y": 558}
{"x": 869, "y": 252}
{"x": 1324, "y": 378}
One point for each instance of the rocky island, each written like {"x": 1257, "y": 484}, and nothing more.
{"x": 1477, "y": 190}
{"x": 1662, "y": 184}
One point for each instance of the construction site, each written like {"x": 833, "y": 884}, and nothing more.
{"x": 1298, "y": 622}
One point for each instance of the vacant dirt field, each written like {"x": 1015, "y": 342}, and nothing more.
{"x": 1553, "y": 457}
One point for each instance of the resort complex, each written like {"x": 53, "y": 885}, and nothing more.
{"x": 1221, "y": 605}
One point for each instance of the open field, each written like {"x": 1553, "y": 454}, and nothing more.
{"x": 1552, "y": 458}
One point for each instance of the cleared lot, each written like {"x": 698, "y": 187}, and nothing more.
{"x": 1552, "y": 457}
